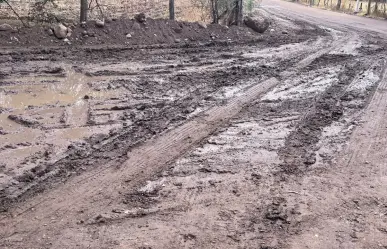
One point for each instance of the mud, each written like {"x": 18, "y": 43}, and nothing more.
{"x": 87, "y": 115}
{"x": 152, "y": 32}
{"x": 90, "y": 107}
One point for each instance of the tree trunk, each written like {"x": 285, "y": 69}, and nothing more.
{"x": 172, "y": 9}
{"x": 338, "y": 6}
{"x": 83, "y": 14}
{"x": 239, "y": 12}
{"x": 369, "y": 7}
{"x": 214, "y": 11}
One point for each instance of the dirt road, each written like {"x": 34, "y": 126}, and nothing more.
{"x": 270, "y": 141}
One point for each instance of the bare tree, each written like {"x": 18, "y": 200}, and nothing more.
{"x": 369, "y": 7}
{"x": 172, "y": 9}
{"x": 239, "y": 12}
{"x": 214, "y": 12}
{"x": 338, "y": 6}
{"x": 83, "y": 12}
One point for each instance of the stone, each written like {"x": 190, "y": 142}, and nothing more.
{"x": 69, "y": 32}
{"x": 178, "y": 30}
{"x": 259, "y": 25}
{"x": 100, "y": 23}
{"x": 141, "y": 18}
{"x": 50, "y": 32}
{"x": 67, "y": 41}
{"x": 136, "y": 26}
{"x": 202, "y": 25}
{"x": 128, "y": 36}
{"x": 5, "y": 27}
{"x": 60, "y": 31}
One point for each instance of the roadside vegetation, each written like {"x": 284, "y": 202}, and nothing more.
{"x": 376, "y": 8}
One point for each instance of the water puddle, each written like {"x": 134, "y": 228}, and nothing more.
{"x": 49, "y": 90}
{"x": 58, "y": 104}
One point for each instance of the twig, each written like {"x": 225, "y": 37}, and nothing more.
{"x": 100, "y": 9}
{"x": 15, "y": 13}
{"x": 90, "y": 4}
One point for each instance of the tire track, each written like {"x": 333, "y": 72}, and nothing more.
{"x": 85, "y": 196}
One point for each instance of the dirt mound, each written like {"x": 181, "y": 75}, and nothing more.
{"x": 127, "y": 31}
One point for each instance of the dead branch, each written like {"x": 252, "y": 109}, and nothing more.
{"x": 100, "y": 9}
{"x": 14, "y": 11}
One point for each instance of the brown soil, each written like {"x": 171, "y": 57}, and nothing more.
{"x": 152, "y": 32}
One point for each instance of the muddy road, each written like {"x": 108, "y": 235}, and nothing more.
{"x": 272, "y": 140}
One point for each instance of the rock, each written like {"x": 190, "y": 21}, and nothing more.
{"x": 100, "y": 218}
{"x": 272, "y": 30}
{"x": 100, "y": 23}
{"x": 177, "y": 40}
{"x": 178, "y": 30}
{"x": 310, "y": 158}
{"x": 141, "y": 18}
{"x": 67, "y": 41}
{"x": 259, "y": 25}
{"x": 5, "y": 27}
{"x": 50, "y": 32}
{"x": 60, "y": 31}
{"x": 128, "y": 36}
{"x": 83, "y": 24}
{"x": 69, "y": 32}
{"x": 202, "y": 25}
{"x": 84, "y": 32}
{"x": 136, "y": 26}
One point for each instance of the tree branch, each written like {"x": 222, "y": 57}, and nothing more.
{"x": 14, "y": 11}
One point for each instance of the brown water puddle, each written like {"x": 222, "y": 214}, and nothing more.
{"x": 52, "y": 98}
{"x": 50, "y": 90}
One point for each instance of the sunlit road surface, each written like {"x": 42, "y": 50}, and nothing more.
{"x": 326, "y": 17}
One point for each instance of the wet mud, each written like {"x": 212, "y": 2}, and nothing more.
{"x": 68, "y": 114}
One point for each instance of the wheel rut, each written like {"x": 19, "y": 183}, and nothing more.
{"x": 103, "y": 187}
